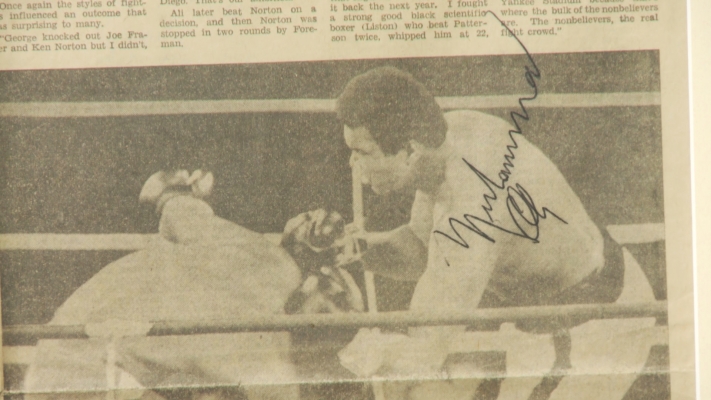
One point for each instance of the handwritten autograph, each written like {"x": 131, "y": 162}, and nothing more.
{"x": 520, "y": 205}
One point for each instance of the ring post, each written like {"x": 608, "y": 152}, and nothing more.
{"x": 359, "y": 222}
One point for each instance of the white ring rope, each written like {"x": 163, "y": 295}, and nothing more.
{"x": 174, "y": 107}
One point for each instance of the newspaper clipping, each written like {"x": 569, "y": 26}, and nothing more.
{"x": 345, "y": 199}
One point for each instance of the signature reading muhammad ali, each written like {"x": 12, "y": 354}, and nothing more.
{"x": 520, "y": 205}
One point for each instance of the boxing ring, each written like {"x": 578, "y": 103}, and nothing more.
{"x": 637, "y": 302}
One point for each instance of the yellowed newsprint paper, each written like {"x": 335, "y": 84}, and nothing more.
{"x": 701, "y": 146}
{"x": 345, "y": 199}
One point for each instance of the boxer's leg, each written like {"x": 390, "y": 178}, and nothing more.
{"x": 185, "y": 220}
{"x": 562, "y": 344}
{"x": 178, "y": 197}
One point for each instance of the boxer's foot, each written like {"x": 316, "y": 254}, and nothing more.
{"x": 201, "y": 183}
{"x": 162, "y": 186}
{"x": 157, "y": 184}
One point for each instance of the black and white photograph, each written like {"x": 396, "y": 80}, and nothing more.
{"x": 461, "y": 227}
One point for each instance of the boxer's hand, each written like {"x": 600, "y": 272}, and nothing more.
{"x": 318, "y": 229}
{"x": 352, "y": 245}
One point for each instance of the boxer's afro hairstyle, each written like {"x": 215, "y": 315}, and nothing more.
{"x": 394, "y": 107}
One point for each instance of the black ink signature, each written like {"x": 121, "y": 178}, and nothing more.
{"x": 525, "y": 218}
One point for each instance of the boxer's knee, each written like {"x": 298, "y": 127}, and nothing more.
{"x": 185, "y": 219}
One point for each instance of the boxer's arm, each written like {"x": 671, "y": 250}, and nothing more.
{"x": 402, "y": 253}
{"x": 398, "y": 254}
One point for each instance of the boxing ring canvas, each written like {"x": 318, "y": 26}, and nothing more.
{"x": 79, "y": 144}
